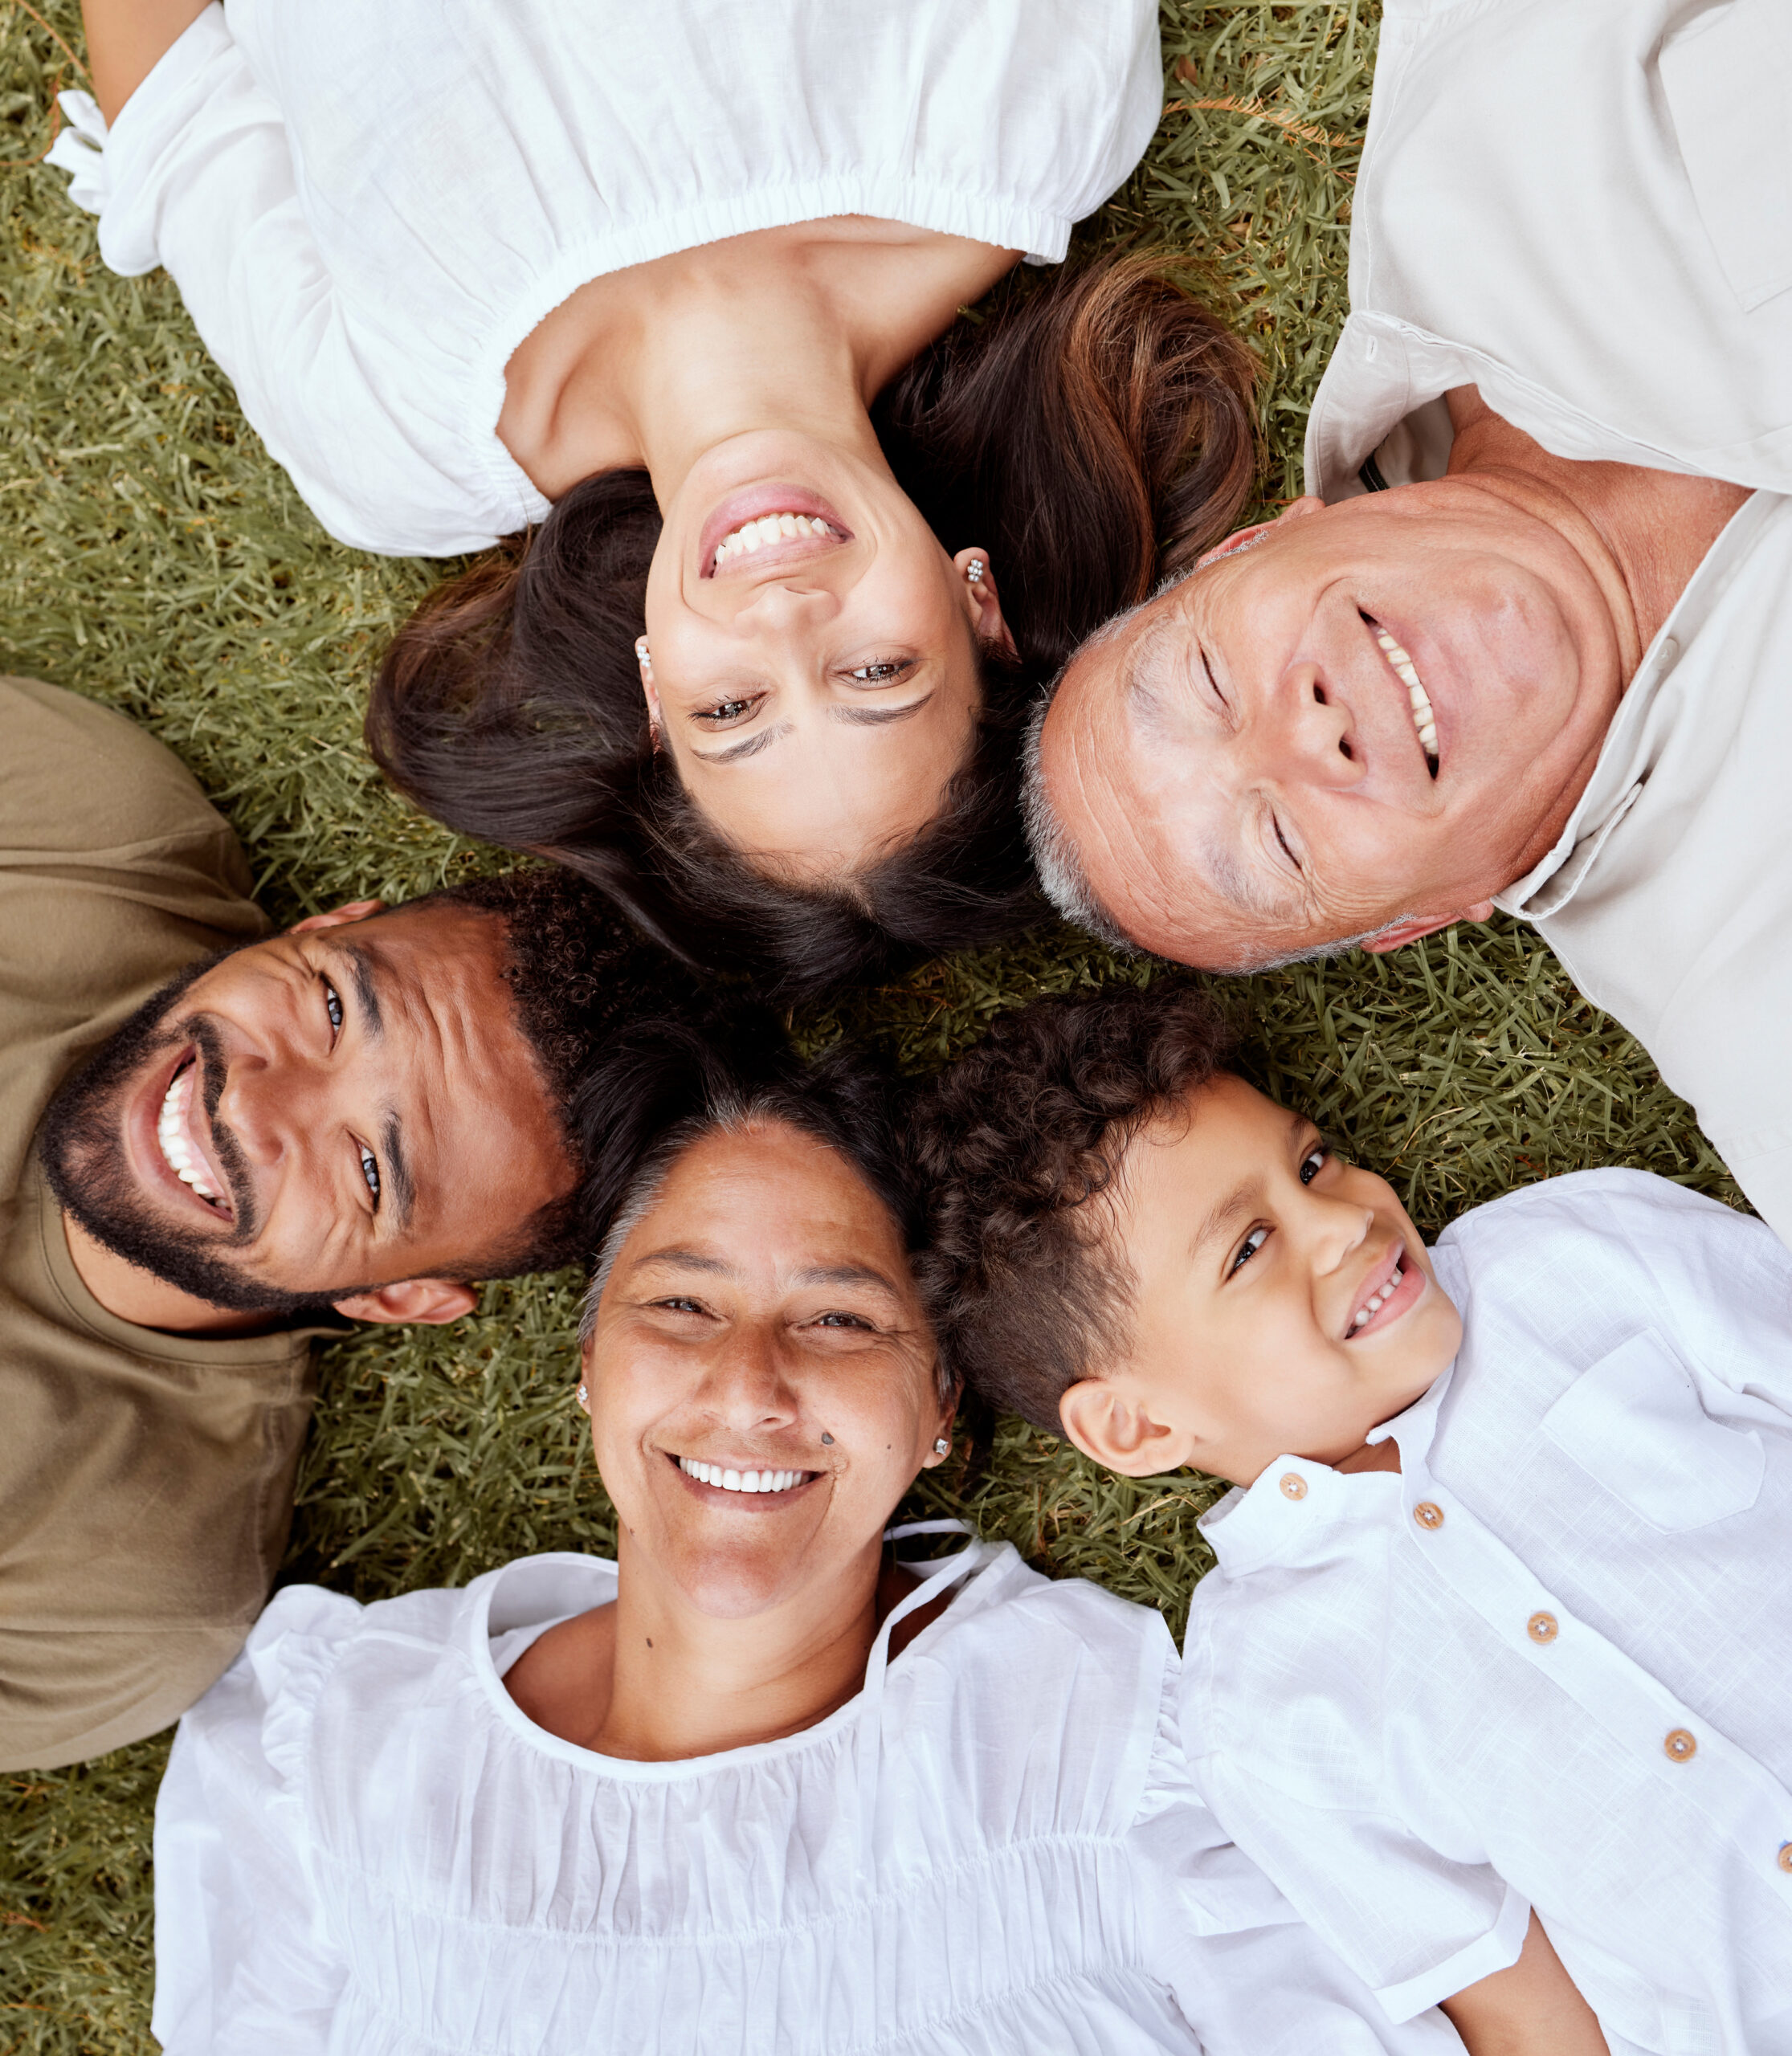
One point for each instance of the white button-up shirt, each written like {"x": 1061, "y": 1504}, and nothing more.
{"x": 1587, "y": 211}
{"x": 1546, "y": 1663}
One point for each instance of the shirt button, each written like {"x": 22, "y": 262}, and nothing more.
{"x": 1786, "y": 1856}
{"x": 1428, "y": 1513}
{"x": 1294, "y": 1486}
{"x": 1542, "y": 1627}
{"x": 1681, "y": 1745}
{"x": 1667, "y": 656}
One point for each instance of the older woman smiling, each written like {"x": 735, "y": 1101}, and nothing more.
{"x": 762, "y": 1783}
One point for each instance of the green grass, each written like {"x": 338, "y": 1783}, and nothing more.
{"x": 152, "y": 557}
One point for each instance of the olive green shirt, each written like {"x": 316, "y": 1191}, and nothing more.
{"x": 145, "y": 1479}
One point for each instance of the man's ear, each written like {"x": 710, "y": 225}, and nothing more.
{"x": 1111, "y": 1423}
{"x": 357, "y": 910}
{"x": 432, "y": 1301}
{"x": 1296, "y": 510}
{"x": 1416, "y": 925}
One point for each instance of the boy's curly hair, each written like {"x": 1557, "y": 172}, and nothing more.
{"x": 1026, "y": 1293}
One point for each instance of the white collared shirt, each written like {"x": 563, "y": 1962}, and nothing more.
{"x": 1549, "y": 1662}
{"x": 368, "y": 207}
{"x": 1587, "y": 211}
{"x": 363, "y": 1845}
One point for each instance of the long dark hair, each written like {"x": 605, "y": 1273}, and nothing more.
{"x": 1093, "y": 430}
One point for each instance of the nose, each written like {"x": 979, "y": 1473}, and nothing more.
{"x": 269, "y": 1099}
{"x": 788, "y": 604}
{"x": 1309, "y": 733}
{"x": 1338, "y": 1227}
{"x": 746, "y": 1390}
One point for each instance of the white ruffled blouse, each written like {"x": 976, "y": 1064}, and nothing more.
{"x": 367, "y": 208}
{"x": 364, "y": 1846}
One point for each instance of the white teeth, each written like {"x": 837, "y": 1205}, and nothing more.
{"x": 171, "y": 1134}
{"x": 753, "y": 536}
{"x": 740, "y": 1481}
{"x": 1424, "y": 719}
{"x": 1376, "y": 1300}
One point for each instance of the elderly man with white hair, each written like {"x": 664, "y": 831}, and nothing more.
{"x": 1527, "y": 642}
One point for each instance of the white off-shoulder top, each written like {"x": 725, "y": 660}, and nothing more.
{"x": 363, "y": 1846}
{"x": 368, "y": 207}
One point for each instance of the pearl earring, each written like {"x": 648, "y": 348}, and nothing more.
{"x": 641, "y": 656}
{"x": 942, "y": 1447}
{"x": 974, "y": 570}
{"x": 583, "y": 1397}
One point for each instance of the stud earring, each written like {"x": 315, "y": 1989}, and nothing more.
{"x": 641, "y": 656}
{"x": 974, "y": 570}
{"x": 942, "y": 1447}
{"x": 584, "y": 1399}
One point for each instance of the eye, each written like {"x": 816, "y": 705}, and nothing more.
{"x": 886, "y": 671}
{"x": 1247, "y": 1249}
{"x": 1314, "y": 1162}
{"x": 725, "y": 712}
{"x": 370, "y": 1171}
{"x": 1225, "y": 704}
{"x": 839, "y": 1320}
{"x": 332, "y": 1006}
{"x": 1282, "y": 839}
{"x": 678, "y": 1305}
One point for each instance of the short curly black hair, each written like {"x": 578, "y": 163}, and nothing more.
{"x": 580, "y": 977}
{"x": 1026, "y": 1293}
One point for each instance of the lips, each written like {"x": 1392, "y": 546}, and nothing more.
{"x": 1418, "y": 699}
{"x": 753, "y": 1487}
{"x": 178, "y": 1147}
{"x": 1394, "y": 1285}
{"x": 736, "y": 521}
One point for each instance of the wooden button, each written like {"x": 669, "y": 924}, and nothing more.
{"x": 1428, "y": 1513}
{"x": 1542, "y": 1627}
{"x": 1294, "y": 1486}
{"x": 1681, "y": 1745}
{"x": 1786, "y": 1856}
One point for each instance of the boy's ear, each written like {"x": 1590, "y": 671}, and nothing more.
{"x": 1109, "y": 1422}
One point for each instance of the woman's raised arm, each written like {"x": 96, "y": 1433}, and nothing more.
{"x": 126, "y": 39}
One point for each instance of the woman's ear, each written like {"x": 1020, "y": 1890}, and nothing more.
{"x": 986, "y": 603}
{"x": 1111, "y": 1424}
{"x": 942, "y": 1432}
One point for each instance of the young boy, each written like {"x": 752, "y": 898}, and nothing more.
{"x": 1496, "y": 1654}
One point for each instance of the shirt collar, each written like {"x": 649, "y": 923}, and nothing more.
{"x": 1634, "y": 740}
{"x": 1256, "y": 1526}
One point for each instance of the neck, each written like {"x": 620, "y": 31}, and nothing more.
{"x": 794, "y": 329}
{"x": 1641, "y": 533}
{"x": 682, "y": 1683}
{"x": 144, "y": 1300}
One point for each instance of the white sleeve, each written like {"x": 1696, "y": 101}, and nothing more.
{"x": 1249, "y": 1976}
{"x": 1414, "y": 1926}
{"x": 197, "y": 175}
{"x": 245, "y": 1959}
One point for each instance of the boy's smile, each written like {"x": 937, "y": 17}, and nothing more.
{"x": 1282, "y": 1302}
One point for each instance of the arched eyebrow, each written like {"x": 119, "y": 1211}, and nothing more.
{"x": 751, "y": 747}
{"x": 876, "y": 717}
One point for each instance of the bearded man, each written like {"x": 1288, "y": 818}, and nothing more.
{"x": 217, "y": 1143}
{"x": 1527, "y": 642}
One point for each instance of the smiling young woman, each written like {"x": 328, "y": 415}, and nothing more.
{"x": 807, "y": 765}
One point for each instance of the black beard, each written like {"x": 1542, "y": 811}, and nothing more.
{"x": 81, "y": 1146}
